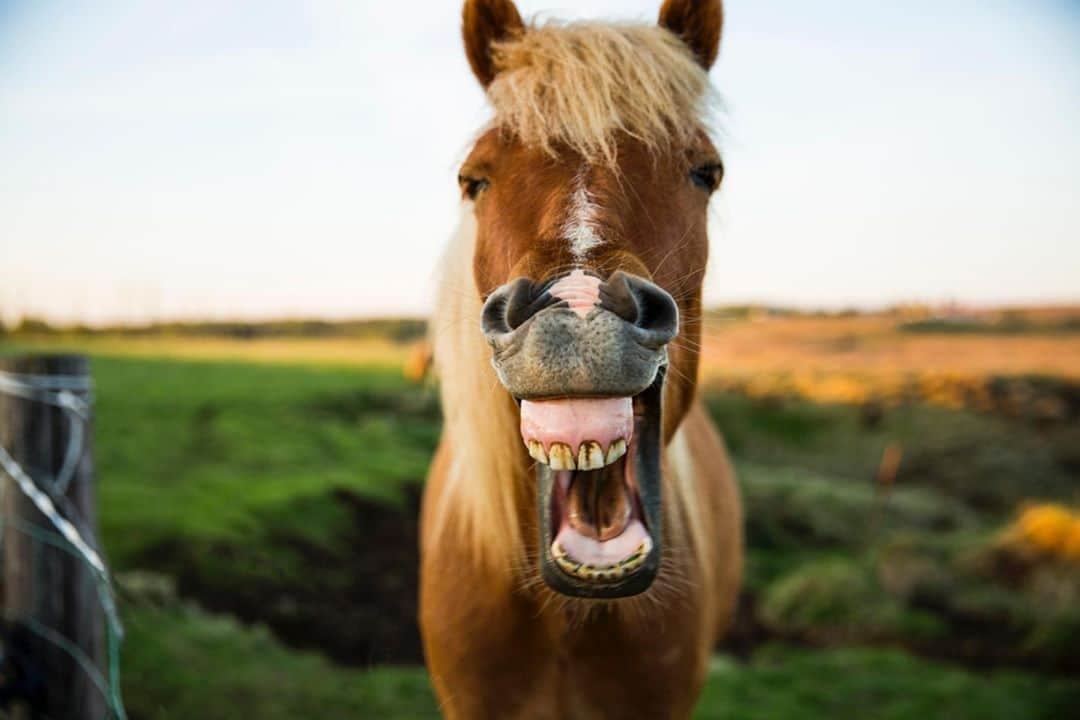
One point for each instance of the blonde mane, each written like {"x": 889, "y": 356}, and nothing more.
{"x": 484, "y": 489}
{"x": 580, "y": 85}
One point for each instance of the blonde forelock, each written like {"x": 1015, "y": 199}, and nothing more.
{"x": 582, "y": 85}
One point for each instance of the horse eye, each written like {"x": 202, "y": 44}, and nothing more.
{"x": 707, "y": 177}
{"x": 471, "y": 186}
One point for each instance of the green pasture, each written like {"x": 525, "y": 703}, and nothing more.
{"x": 208, "y": 452}
{"x": 236, "y": 500}
{"x": 182, "y": 663}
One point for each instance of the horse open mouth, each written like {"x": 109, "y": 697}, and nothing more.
{"x": 598, "y": 490}
{"x": 586, "y": 359}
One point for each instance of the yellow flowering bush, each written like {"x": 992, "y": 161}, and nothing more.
{"x": 1049, "y": 529}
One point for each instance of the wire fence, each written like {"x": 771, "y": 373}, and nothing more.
{"x": 67, "y": 531}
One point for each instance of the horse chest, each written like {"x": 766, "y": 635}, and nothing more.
{"x": 609, "y": 666}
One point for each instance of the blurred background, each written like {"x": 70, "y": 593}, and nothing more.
{"x": 236, "y": 209}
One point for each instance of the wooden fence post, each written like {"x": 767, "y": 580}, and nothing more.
{"x": 46, "y": 586}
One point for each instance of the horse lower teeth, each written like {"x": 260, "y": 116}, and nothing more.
{"x": 586, "y": 571}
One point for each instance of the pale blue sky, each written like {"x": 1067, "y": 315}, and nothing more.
{"x": 208, "y": 159}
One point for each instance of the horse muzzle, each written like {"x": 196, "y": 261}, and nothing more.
{"x": 586, "y": 360}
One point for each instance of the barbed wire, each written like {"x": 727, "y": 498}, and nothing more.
{"x": 74, "y": 395}
{"x": 60, "y": 391}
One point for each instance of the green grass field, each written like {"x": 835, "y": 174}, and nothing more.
{"x": 239, "y": 499}
{"x": 183, "y": 663}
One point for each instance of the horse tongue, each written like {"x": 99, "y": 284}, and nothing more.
{"x": 574, "y": 421}
{"x": 598, "y": 504}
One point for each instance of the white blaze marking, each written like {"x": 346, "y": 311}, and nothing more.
{"x": 580, "y": 227}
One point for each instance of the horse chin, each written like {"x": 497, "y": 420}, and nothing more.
{"x": 600, "y": 527}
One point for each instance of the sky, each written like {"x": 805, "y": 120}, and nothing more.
{"x": 258, "y": 159}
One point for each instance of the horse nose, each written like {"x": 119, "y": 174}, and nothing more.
{"x": 579, "y": 336}
{"x": 648, "y": 307}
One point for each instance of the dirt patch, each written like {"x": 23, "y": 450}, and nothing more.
{"x": 355, "y": 600}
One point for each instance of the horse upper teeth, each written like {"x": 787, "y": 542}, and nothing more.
{"x": 536, "y": 450}
{"x": 616, "y": 451}
{"x": 560, "y": 457}
{"x": 590, "y": 456}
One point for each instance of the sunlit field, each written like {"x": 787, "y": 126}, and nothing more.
{"x": 325, "y": 352}
{"x": 856, "y": 358}
{"x": 911, "y": 497}
{"x": 884, "y": 345}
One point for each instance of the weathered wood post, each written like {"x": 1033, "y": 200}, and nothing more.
{"x": 48, "y": 592}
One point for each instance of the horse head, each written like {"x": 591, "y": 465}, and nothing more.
{"x": 590, "y": 191}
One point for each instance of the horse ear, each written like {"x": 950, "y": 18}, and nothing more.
{"x": 485, "y": 22}
{"x": 698, "y": 23}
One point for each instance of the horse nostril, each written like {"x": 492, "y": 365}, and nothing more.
{"x": 648, "y": 307}
{"x": 512, "y": 304}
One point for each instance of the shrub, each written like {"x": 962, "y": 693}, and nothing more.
{"x": 789, "y": 508}
{"x": 836, "y": 601}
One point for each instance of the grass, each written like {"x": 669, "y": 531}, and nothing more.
{"x": 183, "y": 663}
{"x": 983, "y": 460}
{"x": 190, "y": 450}
{"x": 245, "y": 472}
{"x": 785, "y": 684}
{"x": 875, "y": 351}
{"x": 310, "y": 351}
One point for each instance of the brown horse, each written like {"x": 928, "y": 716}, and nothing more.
{"x": 593, "y": 579}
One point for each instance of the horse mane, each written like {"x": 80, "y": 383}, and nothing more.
{"x": 483, "y": 492}
{"x": 580, "y": 85}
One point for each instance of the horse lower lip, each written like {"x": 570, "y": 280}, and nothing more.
{"x": 605, "y": 572}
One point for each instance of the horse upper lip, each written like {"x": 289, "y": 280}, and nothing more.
{"x": 556, "y": 353}
{"x": 577, "y": 433}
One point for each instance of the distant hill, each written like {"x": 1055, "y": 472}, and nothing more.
{"x": 911, "y": 318}
{"x": 394, "y": 329}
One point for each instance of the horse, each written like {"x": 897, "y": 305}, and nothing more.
{"x": 581, "y": 532}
